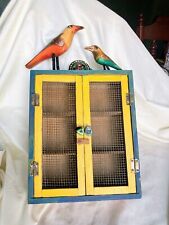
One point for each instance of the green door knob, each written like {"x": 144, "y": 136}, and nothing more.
{"x": 88, "y": 130}
{"x": 80, "y": 130}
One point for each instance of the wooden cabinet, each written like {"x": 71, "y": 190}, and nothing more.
{"x": 83, "y": 139}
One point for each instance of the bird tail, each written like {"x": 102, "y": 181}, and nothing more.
{"x": 36, "y": 60}
{"x": 44, "y": 54}
{"x": 117, "y": 67}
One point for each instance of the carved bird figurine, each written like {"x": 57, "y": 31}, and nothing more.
{"x": 57, "y": 46}
{"x": 101, "y": 58}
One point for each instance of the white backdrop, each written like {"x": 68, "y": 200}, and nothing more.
{"x": 25, "y": 28}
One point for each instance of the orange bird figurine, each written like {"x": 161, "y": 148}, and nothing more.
{"x": 57, "y": 46}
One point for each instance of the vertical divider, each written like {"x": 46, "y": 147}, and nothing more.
{"x": 80, "y": 147}
{"x": 88, "y": 147}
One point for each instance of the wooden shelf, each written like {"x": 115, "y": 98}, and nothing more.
{"x": 107, "y": 147}
{"x": 59, "y": 152}
{"x": 93, "y": 114}
{"x": 58, "y": 114}
{"x": 107, "y": 113}
{"x": 108, "y": 151}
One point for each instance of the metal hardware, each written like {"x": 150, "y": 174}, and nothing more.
{"x": 82, "y": 141}
{"x": 135, "y": 165}
{"x": 35, "y": 99}
{"x": 129, "y": 99}
{"x": 79, "y": 65}
{"x": 88, "y": 130}
{"x": 34, "y": 168}
{"x": 80, "y": 130}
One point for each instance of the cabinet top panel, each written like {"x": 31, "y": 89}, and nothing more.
{"x": 81, "y": 72}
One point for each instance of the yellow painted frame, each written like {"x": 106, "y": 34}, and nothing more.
{"x": 90, "y": 189}
{"x": 38, "y": 191}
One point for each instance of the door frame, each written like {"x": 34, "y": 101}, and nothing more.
{"x": 131, "y": 187}
{"x": 38, "y": 191}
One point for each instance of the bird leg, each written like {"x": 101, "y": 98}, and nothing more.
{"x": 57, "y": 63}
{"x": 53, "y": 62}
{"x": 107, "y": 68}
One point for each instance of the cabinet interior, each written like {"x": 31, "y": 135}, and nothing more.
{"x": 59, "y": 154}
{"x": 59, "y": 144}
{"x": 108, "y": 143}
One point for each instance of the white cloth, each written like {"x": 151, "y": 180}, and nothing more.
{"x": 25, "y": 28}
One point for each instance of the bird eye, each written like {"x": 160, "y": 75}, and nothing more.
{"x": 70, "y": 26}
{"x": 96, "y": 47}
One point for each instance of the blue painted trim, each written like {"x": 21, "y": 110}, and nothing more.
{"x": 80, "y": 72}
{"x": 84, "y": 198}
{"x": 134, "y": 130}
{"x": 31, "y": 134}
{"x": 33, "y": 200}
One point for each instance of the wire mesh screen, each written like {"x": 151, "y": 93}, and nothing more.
{"x": 108, "y": 143}
{"x": 59, "y": 157}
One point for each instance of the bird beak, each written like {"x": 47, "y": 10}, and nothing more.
{"x": 89, "y": 48}
{"x": 77, "y": 28}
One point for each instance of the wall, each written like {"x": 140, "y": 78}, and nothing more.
{"x": 130, "y": 9}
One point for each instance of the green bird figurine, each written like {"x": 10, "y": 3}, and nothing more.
{"x": 101, "y": 58}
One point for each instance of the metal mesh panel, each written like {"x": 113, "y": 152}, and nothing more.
{"x": 59, "y": 158}
{"x": 108, "y": 143}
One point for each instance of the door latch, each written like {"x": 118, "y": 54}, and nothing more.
{"x": 88, "y": 130}
{"x": 129, "y": 99}
{"x": 34, "y": 168}
{"x": 35, "y": 99}
{"x": 80, "y": 130}
{"x": 135, "y": 165}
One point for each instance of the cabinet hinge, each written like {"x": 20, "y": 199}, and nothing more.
{"x": 129, "y": 99}
{"x": 34, "y": 168}
{"x": 135, "y": 165}
{"x": 35, "y": 99}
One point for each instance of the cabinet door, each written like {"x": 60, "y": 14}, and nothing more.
{"x": 59, "y": 157}
{"x": 109, "y": 154}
